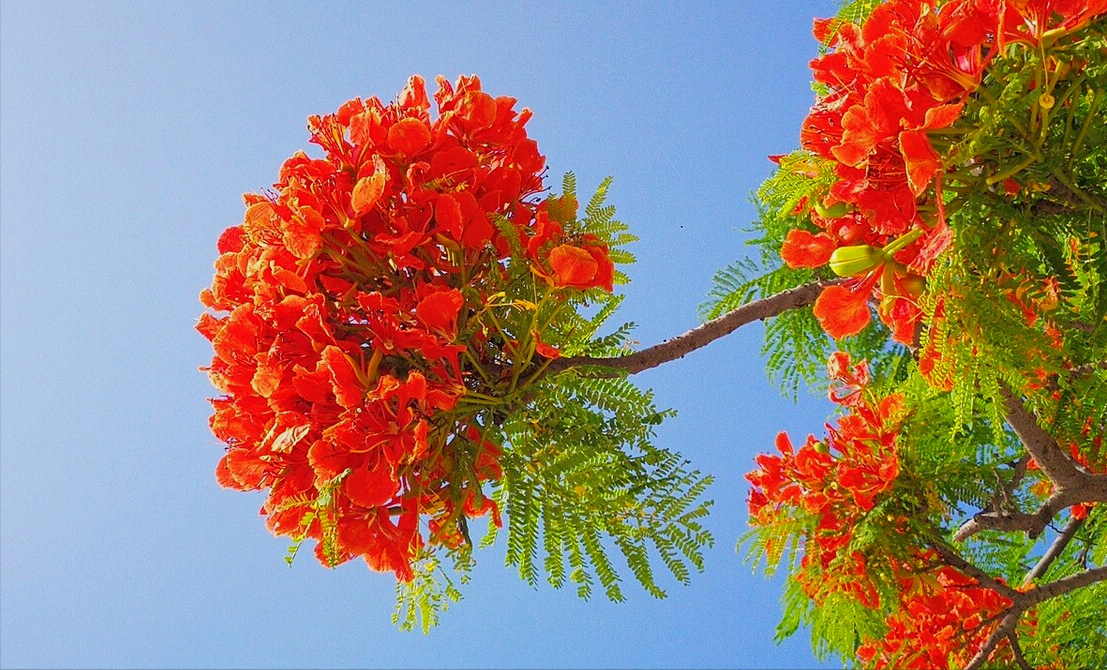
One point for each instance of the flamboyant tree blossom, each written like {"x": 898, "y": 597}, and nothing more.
{"x": 408, "y": 333}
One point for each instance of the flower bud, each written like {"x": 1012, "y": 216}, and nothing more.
{"x": 835, "y": 211}
{"x": 854, "y": 260}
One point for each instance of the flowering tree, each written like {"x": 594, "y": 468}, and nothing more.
{"x": 409, "y": 333}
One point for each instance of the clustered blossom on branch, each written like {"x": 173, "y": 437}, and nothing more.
{"x": 360, "y": 330}
{"x": 384, "y": 311}
{"x": 833, "y": 483}
{"x": 944, "y": 619}
{"x": 905, "y": 72}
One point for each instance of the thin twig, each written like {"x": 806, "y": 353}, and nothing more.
{"x": 1055, "y": 550}
{"x": 700, "y": 336}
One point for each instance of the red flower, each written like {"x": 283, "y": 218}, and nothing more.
{"x": 369, "y": 189}
{"x": 343, "y": 291}
{"x": 941, "y": 622}
{"x": 439, "y": 310}
{"x": 409, "y": 136}
{"x": 830, "y": 485}
{"x": 582, "y": 267}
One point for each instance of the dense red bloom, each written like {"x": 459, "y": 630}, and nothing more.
{"x": 942, "y": 622}
{"x": 350, "y": 293}
{"x": 837, "y": 479}
{"x": 834, "y": 482}
{"x": 890, "y": 82}
{"x": 903, "y": 73}
{"x": 1030, "y": 21}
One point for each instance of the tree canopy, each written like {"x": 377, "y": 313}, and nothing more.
{"x": 412, "y": 331}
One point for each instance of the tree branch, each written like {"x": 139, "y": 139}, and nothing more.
{"x": 700, "y": 336}
{"x": 983, "y": 579}
{"x": 1062, "y": 586}
{"x": 1020, "y": 659}
{"x": 1022, "y": 601}
{"x": 1005, "y": 628}
{"x": 1033, "y": 524}
{"x": 1071, "y": 483}
{"x": 1055, "y": 550}
{"x": 1049, "y": 456}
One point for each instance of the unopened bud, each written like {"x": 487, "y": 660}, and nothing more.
{"x": 854, "y": 260}
{"x": 835, "y": 211}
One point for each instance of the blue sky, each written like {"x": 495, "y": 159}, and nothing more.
{"x": 129, "y": 131}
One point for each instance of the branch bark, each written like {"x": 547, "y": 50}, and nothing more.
{"x": 1055, "y": 550}
{"x": 1033, "y": 523}
{"x": 1050, "y": 458}
{"x": 700, "y": 336}
{"x": 1005, "y": 628}
{"x": 984, "y": 579}
{"x": 1016, "y": 648}
{"x": 1062, "y": 586}
{"x": 1072, "y": 484}
{"x": 1022, "y": 601}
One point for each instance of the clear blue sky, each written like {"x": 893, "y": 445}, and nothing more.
{"x": 128, "y": 133}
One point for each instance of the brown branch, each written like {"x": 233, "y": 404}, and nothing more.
{"x": 1053, "y": 461}
{"x": 1072, "y": 484}
{"x": 1021, "y": 601}
{"x": 1016, "y": 648}
{"x": 1063, "y": 586}
{"x": 1005, "y": 628}
{"x": 1055, "y": 550}
{"x": 1033, "y": 523}
{"x": 983, "y": 578}
{"x": 700, "y": 336}
{"x": 1026, "y": 600}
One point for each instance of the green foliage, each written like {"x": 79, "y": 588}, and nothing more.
{"x": 420, "y": 601}
{"x": 571, "y": 480}
{"x": 321, "y": 512}
{"x": 795, "y": 346}
{"x": 581, "y": 476}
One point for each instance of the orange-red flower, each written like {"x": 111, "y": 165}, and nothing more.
{"x": 941, "y": 622}
{"x": 342, "y": 293}
{"x": 833, "y": 483}
{"x": 582, "y": 267}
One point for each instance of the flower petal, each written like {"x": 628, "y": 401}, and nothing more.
{"x": 842, "y": 312}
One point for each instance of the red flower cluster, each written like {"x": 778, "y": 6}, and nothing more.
{"x": 905, "y": 72}
{"x": 835, "y": 482}
{"x": 943, "y": 620}
{"x": 943, "y": 617}
{"x": 357, "y": 294}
